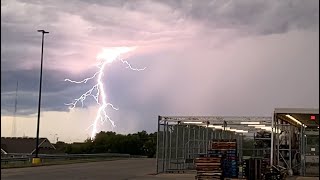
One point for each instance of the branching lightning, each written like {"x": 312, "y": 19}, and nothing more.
{"x": 130, "y": 67}
{"x": 97, "y": 91}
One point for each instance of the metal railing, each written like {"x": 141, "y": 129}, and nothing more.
{"x": 15, "y": 158}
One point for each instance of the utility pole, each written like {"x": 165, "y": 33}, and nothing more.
{"x": 37, "y": 160}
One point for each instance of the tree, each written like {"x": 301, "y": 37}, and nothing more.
{"x": 140, "y": 143}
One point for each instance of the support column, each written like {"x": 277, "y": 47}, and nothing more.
{"x": 183, "y": 148}
{"x": 278, "y": 143}
{"x": 203, "y": 141}
{"x": 207, "y": 139}
{"x": 170, "y": 145}
{"x": 290, "y": 148}
{"x": 199, "y": 134}
{"x": 158, "y": 150}
{"x": 164, "y": 146}
{"x": 194, "y": 141}
{"x": 272, "y": 140}
{"x": 301, "y": 152}
{"x": 189, "y": 138}
{"x": 177, "y": 144}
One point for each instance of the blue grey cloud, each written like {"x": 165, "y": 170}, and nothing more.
{"x": 202, "y": 57}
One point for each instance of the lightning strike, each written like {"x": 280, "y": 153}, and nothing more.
{"x": 97, "y": 92}
{"x": 130, "y": 67}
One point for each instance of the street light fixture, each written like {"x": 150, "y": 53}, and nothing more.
{"x": 36, "y": 159}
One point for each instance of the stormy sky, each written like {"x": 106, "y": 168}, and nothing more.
{"x": 205, "y": 57}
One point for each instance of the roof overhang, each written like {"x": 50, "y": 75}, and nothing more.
{"x": 42, "y": 143}
{"x": 249, "y": 124}
{"x": 299, "y": 116}
{"x": 3, "y": 151}
{"x": 296, "y": 110}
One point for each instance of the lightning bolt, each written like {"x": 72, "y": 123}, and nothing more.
{"x": 97, "y": 91}
{"x": 130, "y": 67}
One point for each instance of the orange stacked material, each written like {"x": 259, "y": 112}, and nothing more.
{"x": 208, "y": 168}
{"x": 223, "y": 144}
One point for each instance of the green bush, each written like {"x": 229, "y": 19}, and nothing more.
{"x": 140, "y": 143}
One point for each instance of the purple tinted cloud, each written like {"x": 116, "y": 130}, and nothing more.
{"x": 202, "y": 57}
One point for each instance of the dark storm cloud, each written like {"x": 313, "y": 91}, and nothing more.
{"x": 257, "y": 17}
{"x": 195, "y": 65}
{"x": 115, "y": 20}
{"x": 55, "y": 91}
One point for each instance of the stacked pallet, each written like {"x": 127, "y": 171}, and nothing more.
{"x": 223, "y": 144}
{"x": 227, "y": 150}
{"x": 230, "y": 164}
{"x": 208, "y": 168}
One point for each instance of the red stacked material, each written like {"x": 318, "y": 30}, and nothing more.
{"x": 208, "y": 168}
{"x": 227, "y": 150}
{"x": 223, "y": 145}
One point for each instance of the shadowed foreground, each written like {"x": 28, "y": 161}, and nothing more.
{"x": 129, "y": 169}
{"x": 118, "y": 169}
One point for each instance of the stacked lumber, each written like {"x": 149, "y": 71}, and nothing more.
{"x": 208, "y": 168}
{"x": 227, "y": 150}
{"x": 220, "y": 162}
{"x": 224, "y": 144}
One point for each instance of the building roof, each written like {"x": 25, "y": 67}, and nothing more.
{"x": 237, "y": 124}
{"x": 3, "y": 151}
{"x": 296, "y": 110}
{"x": 309, "y": 117}
{"x": 23, "y": 145}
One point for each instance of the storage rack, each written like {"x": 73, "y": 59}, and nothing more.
{"x": 243, "y": 169}
{"x": 262, "y": 143}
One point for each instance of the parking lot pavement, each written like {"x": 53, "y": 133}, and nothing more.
{"x": 118, "y": 169}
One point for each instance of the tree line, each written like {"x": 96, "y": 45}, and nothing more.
{"x": 140, "y": 143}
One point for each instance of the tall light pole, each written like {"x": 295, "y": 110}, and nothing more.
{"x": 39, "y": 103}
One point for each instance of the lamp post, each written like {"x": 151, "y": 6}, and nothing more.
{"x": 37, "y": 160}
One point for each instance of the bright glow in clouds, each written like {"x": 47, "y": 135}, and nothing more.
{"x": 107, "y": 56}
